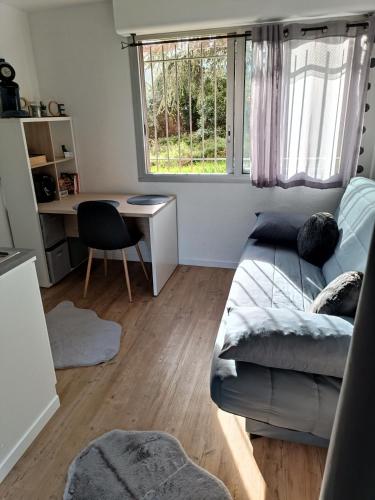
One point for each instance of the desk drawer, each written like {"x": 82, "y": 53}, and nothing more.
{"x": 58, "y": 262}
{"x": 53, "y": 229}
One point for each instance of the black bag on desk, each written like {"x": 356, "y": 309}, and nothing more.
{"x": 45, "y": 188}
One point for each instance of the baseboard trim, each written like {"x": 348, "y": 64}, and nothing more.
{"x": 226, "y": 264}
{"x": 28, "y": 437}
{"x": 131, "y": 255}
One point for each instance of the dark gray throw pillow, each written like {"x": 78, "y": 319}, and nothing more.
{"x": 278, "y": 227}
{"x": 317, "y": 238}
{"x": 341, "y": 296}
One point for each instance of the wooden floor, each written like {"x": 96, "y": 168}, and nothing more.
{"x": 160, "y": 381}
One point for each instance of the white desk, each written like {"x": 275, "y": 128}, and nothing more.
{"x": 158, "y": 224}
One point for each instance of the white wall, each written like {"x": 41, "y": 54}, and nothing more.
{"x": 143, "y": 18}
{"x": 16, "y": 48}
{"x": 79, "y": 62}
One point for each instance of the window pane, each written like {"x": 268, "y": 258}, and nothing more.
{"x": 315, "y": 91}
{"x": 246, "y": 162}
{"x": 185, "y": 96}
{"x": 315, "y": 84}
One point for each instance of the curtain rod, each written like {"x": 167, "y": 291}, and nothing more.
{"x": 363, "y": 25}
{"x": 134, "y": 43}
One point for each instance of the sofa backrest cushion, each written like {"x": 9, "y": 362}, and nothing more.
{"x": 355, "y": 218}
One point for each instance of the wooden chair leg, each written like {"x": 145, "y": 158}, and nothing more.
{"x": 141, "y": 259}
{"x": 105, "y": 264}
{"x": 126, "y": 274}
{"x": 91, "y": 251}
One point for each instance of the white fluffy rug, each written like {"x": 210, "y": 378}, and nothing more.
{"x": 78, "y": 337}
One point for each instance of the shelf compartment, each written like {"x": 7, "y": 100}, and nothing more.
{"x": 61, "y": 134}
{"x": 38, "y": 139}
{"x": 49, "y": 169}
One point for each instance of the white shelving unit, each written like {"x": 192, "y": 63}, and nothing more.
{"x": 19, "y": 138}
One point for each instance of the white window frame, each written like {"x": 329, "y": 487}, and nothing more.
{"x": 235, "y": 111}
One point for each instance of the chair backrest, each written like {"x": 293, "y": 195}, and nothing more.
{"x": 355, "y": 217}
{"x": 101, "y": 226}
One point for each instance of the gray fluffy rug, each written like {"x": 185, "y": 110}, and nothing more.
{"x": 139, "y": 465}
{"x": 78, "y": 337}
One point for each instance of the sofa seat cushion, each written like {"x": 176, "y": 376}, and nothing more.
{"x": 274, "y": 276}
{"x": 287, "y": 399}
{"x": 288, "y": 339}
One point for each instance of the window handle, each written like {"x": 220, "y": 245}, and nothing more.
{"x": 229, "y": 136}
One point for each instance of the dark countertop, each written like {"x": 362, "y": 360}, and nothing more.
{"x": 14, "y": 261}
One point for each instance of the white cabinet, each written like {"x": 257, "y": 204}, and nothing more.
{"x": 28, "y": 396}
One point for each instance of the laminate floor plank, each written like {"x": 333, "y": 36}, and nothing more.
{"x": 159, "y": 381}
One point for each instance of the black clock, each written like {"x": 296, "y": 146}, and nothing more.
{"x": 10, "y": 105}
{"x": 7, "y": 72}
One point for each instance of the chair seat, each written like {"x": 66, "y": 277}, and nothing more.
{"x": 134, "y": 237}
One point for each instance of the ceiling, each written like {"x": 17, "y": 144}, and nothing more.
{"x": 35, "y": 5}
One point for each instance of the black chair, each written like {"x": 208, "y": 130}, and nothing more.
{"x": 101, "y": 227}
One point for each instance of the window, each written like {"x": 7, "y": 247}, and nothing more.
{"x": 277, "y": 102}
{"x": 185, "y": 106}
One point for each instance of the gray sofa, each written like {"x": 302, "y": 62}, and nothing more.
{"x": 281, "y": 403}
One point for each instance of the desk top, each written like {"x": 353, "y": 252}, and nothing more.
{"x": 66, "y": 205}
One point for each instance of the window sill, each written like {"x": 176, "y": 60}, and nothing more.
{"x": 208, "y": 178}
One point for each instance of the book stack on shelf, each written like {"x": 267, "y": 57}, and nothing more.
{"x": 68, "y": 184}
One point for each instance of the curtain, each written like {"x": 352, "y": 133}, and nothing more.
{"x": 306, "y": 127}
{"x": 265, "y": 103}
